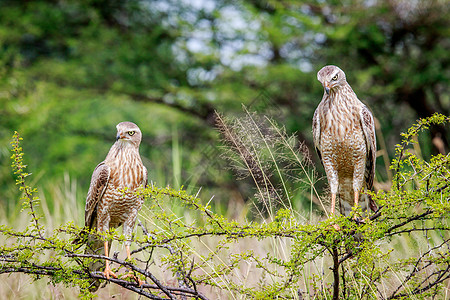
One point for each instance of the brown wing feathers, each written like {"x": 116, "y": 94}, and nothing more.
{"x": 369, "y": 134}
{"x": 99, "y": 182}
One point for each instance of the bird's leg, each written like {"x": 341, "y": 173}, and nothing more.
{"x": 356, "y": 205}
{"x": 108, "y": 271}
{"x": 333, "y": 205}
{"x": 128, "y": 252}
{"x": 130, "y": 274}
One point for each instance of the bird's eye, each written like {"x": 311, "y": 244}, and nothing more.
{"x": 131, "y": 133}
{"x": 335, "y": 78}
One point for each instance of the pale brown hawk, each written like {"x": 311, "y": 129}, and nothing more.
{"x": 111, "y": 200}
{"x": 344, "y": 137}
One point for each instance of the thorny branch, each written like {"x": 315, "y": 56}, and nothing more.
{"x": 16, "y": 265}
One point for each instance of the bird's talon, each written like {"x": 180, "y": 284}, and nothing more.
{"x": 359, "y": 220}
{"x": 108, "y": 273}
{"x": 137, "y": 279}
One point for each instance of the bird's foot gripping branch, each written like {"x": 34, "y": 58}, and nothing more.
{"x": 184, "y": 250}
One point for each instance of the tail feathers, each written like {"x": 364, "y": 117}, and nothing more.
{"x": 346, "y": 203}
{"x": 372, "y": 205}
{"x": 95, "y": 245}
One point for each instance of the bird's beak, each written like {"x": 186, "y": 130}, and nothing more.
{"x": 119, "y": 136}
{"x": 327, "y": 88}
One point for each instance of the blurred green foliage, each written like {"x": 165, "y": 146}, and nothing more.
{"x": 71, "y": 70}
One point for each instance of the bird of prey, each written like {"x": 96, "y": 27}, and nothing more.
{"x": 344, "y": 138}
{"x": 111, "y": 200}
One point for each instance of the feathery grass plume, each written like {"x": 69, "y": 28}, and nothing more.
{"x": 277, "y": 163}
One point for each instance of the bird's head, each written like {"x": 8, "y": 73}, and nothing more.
{"x": 128, "y": 132}
{"x": 332, "y": 78}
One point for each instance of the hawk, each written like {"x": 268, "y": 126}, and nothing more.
{"x": 111, "y": 200}
{"x": 344, "y": 138}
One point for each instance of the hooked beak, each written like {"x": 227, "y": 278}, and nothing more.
{"x": 119, "y": 136}
{"x": 327, "y": 88}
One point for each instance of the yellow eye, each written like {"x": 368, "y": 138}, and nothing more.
{"x": 131, "y": 133}
{"x": 335, "y": 78}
